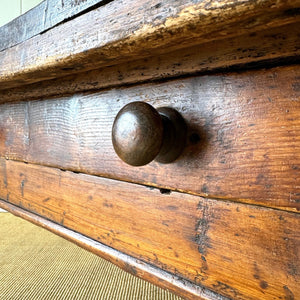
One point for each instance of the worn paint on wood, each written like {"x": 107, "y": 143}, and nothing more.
{"x": 243, "y": 141}
{"x": 127, "y": 30}
{"x": 237, "y": 250}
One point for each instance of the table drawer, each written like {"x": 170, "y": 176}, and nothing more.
{"x": 190, "y": 218}
{"x": 219, "y": 222}
{"x": 243, "y": 139}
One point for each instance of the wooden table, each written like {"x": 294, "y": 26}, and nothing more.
{"x": 222, "y": 220}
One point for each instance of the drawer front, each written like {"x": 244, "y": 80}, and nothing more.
{"x": 243, "y": 146}
{"x": 243, "y": 138}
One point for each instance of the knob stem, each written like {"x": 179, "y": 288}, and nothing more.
{"x": 174, "y": 135}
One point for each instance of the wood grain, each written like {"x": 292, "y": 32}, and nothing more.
{"x": 128, "y": 263}
{"x": 262, "y": 48}
{"x": 42, "y": 17}
{"x": 126, "y": 30}
{"x": 243, "y": 138}
{"x": 239, "y": 251}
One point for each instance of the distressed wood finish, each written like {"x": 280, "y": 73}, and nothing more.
{"x": 128, "y": 263}
{"x": 243, "y": 138}
{"x": 237, "y": 250}
{"x": 125, "y": 30}
{"x": 258, "y": 49}
{"x": 222, "y": 221}
{"x": 43, "y": 17}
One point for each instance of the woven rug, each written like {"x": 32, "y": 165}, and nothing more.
{"x": 36, "y": 264}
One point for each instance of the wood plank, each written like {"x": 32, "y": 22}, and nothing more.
{"x": 42, "y": 17}
{"x": 262, "y": 48}
{"x": 243, "y": 142}
{"x": 130, "y": 29}
{"x": 131, "y": 265}
{"x": 237, "y": 250}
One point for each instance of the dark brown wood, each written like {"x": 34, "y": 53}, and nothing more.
{"x": 261, "y": 48}
{"x": 174, "y": 135}
{"x": 129, "y": 264}
{"x": 239, "y": 251}
{"x": 41, "y": 18}
{"x": 137, "y": 133}
{"x": 130, "y": 29}
{"x": 243, "y": 135}
{"x": 205, "y": 225}
{"x": 140, "y": 134}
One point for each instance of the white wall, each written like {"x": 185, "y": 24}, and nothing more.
{"x": 10, "y": 9}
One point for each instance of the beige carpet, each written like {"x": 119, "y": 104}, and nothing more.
{"x": 36, "y": 264}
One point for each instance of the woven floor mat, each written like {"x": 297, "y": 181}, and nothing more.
{"x": 36, "y": 264}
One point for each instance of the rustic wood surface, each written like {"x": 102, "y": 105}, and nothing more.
{"x": 223, "y": 218}
{"x": 41, "y": 18}
{"x": 237, "y": 250}
{"x": 243, "y": 135}
{"x": 132, "y": 265}
{"x": 126, "y": 30}
{"x": 262, "y": 49}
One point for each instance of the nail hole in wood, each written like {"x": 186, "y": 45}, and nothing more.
{"x": 165, "y": 191}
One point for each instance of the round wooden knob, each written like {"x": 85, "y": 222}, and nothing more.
{"x": 141, "y": 134}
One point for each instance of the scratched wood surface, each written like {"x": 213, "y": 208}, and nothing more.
{"x": 243, "y": 141}
{"x": 224, "y": 218}
{"x": 125, "y": 30}
{"x": 130, "y": 264}
{"x": 253, "y": 50}
{"x": 239, "y": 251}
{"x": 41, "y": 18}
